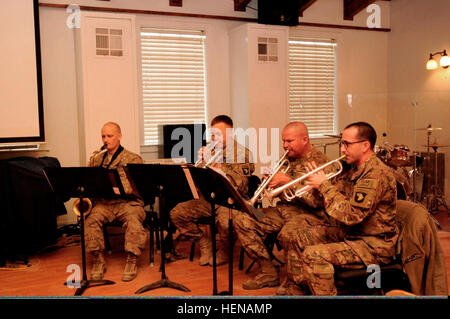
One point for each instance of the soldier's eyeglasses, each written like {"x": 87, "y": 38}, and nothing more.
{"x": 346, "y": 144}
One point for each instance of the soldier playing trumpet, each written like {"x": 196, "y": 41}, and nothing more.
{"x": 362, "y": 203}
{"x": 282, "y": 218}
{"x": 235, "y": 162}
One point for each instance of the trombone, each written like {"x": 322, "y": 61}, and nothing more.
{"x": 263, "y": 188}
{"x": 290, "y": 195}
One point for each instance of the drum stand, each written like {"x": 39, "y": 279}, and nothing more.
{"x": 324, "y": 145}
{"x": 437, "y": 198}
{"x": 436, "y": 195}
{"x": 414, "y": 195}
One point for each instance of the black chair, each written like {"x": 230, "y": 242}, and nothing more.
{"x": 354, "y": 281}
{"x": 393, "y": 275}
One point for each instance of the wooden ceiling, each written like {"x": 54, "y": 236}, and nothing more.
{"x": 351, "y": 7}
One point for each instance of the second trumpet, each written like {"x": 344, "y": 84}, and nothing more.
{"x": 289, "y": 195}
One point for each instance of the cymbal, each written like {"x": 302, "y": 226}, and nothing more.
{"x": 429, "y": 129}
{"x": 436, "y": 145}
{"x": 335, "y": 136}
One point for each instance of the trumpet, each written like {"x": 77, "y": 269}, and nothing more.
{"x": 290, "y": 195}
{"x": 209, "y": 148}
{"x": 263, "y": 189}
{"x": 82, "y": 209}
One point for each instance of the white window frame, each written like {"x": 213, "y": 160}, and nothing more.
{"x": 150, "y": 135}
{"x": 297, "y": 103}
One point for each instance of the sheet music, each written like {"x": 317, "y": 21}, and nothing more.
{"x": 190, "y": 182}
{"x": 167, "y": 161}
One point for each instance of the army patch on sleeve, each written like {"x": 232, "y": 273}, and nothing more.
{"x": 369, "y": 183}
{"x": 364, "y": 193}
{"x": 363, "y": 198}
{"x": 359, "y": 197}
{"x": 245, "y": 170}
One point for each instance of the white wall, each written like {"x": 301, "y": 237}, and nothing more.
{"x": 108, "y": 89}
{"x": 418, "y": 97}
{"x": 259, "y": 90}
{"x": 362, "y": 72}
{"x": 362, "y": 60}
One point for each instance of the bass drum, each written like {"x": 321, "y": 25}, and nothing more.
{"x": 403, "y": 185}
{"x": 382, "y": 153}
{"x": 399, "y": 156}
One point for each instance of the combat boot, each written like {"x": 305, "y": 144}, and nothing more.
{"x": 290, "y": 288}
{"x": 130, "y": 270}
{"x": 205, "y": 250}
{"x": 98, "y": 266}
{"x": 267, "y": 277}
{"x": 221, "y": 257}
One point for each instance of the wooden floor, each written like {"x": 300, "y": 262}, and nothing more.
{"x": 49, "y": 271}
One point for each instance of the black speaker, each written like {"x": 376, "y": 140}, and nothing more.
{"x": 278, "y": 12}
{"x": 183, "y": 140}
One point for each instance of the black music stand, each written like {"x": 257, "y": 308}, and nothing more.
{"x": 84, "y": 182}
{"x": 158, "y": 180}
{"x": 217, "y": 189}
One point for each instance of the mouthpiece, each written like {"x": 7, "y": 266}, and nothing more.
{"x": 97, "y": 153}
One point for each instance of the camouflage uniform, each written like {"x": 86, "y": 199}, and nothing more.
{"x": 237, "y": 166}
{"x": 285, "y": 217}
{"x": 130, "y": 212}
{"x": 363, "y": 204}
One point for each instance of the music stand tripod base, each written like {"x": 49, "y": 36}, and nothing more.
{"x": 164, "y": 282}
{"x": 84, "y": 284}
{"x": 81, "y": 183}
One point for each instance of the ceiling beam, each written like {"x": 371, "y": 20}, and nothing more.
{"x": 303, "y": 5}
{"x": 240, "y": 5}
{"x": 353, "y": 7}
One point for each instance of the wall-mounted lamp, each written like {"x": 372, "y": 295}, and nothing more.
{"x": 443, "y": 62}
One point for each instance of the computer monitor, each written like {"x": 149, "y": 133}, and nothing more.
{"x": 183, "y": 140}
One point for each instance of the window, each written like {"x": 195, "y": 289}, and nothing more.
{"x": 173, "y": 80}
{"x": 312, "y": 84}
{"x": 108, "y": 42}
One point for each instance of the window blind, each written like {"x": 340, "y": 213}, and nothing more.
{"x": 312, "y": 84}
{"x": 173, "y": 79}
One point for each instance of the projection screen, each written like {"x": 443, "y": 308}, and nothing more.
{"x": 21, "y": 105}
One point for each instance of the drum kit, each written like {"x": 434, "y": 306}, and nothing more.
{"x": 435, "y": 196}
{"x": 398, "y": 157}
